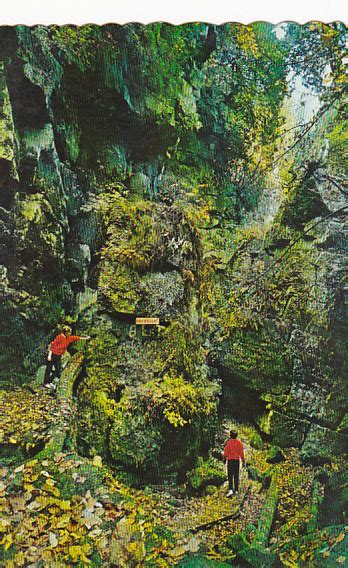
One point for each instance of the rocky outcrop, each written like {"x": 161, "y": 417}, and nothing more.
{"x": 120, "y": 192}
{"x": 147, "y": 389}
{"x": 73, "y": 122}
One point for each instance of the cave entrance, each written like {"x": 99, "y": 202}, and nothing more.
{"x": 239, "y": 401}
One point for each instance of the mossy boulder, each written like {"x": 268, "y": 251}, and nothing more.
{"x": 322, "y": 443}
{"x": 158, "y": 427}
{"x": 258, "y": 358}
{"x": 134, "y": 443}
{"x": 149, "y": 253}
{"x": 206, "y": 474}
{"x": 119, "y": 286}
{"x": 286, "y": 431}
{"x": 146, "y": 403}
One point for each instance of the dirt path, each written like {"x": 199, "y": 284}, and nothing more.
{"x": 203, "y": 524}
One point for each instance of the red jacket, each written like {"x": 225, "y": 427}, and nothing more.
{"x": 234, "y": 450}
{"x": 61, "y": 343}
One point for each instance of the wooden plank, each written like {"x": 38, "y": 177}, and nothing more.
{"x": 267, "y": 514}
{"x": 60, "y": 425}
{"x": 315, "y": 504}
{"x": 256, "y": 553}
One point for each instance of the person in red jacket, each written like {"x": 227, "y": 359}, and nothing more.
{"x": 233, "y": 453}
{"x": 56, "y": 349}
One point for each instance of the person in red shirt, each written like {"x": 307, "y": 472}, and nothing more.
{"x": 56, "y": 349}
{"x": 233, "y": 453}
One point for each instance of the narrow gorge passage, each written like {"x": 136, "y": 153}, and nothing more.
{"x": 173, "y": 199}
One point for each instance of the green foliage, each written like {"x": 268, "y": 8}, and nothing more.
{"x": 327, "y": 41}
{"x": 338, "y": 139}
{"x": 176, "y": 400}
{"x": 36, "y": 223}
{"x": 240, "y": 104}
{"x": 119, "y": 284}
{"x": 180, "y": 349}
{"x": 134, "y": 442}
{"x": 77, "y": 43}
{"x": 132, "y": 230}
{"x": 294, "y": 486}
{"x": 256, "y": 441}
{"x": 268, "y": 285}
{"x": 167, "y": 72}
{"x": 134, "y": 244}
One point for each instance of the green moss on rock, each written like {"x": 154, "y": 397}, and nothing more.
{"x": 207, "y": 473}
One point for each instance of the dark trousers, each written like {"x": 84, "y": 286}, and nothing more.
{"x": 56, "y": 364}
{"x": 233, "y": 474}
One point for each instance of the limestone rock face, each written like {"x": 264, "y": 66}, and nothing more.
{"x": 163, "y": 294}
{"x": 41, "y": 200}
{"x": 140, "y": 184}
{"x": 8, "y": 170}
{"x": 73, "y": 124}
{"x": 79, "y": 259}
{"x": 322, "y": 443}
{"x": 310, "y": 413}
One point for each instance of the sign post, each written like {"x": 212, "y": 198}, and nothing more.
{"x": 147, "y": 321}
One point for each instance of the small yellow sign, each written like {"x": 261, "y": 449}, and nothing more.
{"x": 147, "y": 321}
